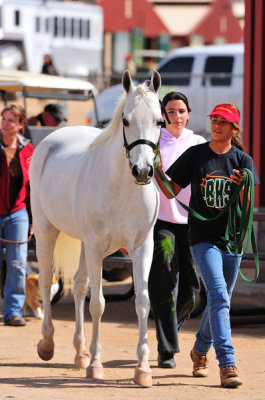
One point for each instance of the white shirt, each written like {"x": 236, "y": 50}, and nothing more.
{"x": 171, "y": 148}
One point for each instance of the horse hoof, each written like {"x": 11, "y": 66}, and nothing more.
{"x": 44, "y": 354}
{"x": 95, "y": 372}
{"x": 82, "y": 361}
{"x": 142, "y": 378}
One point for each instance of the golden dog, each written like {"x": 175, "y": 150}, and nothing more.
{"x": 33, "y": 294}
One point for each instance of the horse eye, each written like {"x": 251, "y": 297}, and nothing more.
{"x": 160, "y": 122}
{"x": 125, "y": 122}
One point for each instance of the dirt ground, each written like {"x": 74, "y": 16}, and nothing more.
{"x": 24, "y": 376}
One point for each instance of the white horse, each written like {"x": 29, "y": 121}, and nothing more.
{"x": 85, "y": 184}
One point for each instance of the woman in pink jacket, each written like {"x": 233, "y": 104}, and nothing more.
{"x": 172, "y": 279}
{"x": 15, "y": 156}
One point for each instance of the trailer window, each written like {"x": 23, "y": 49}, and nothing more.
{"x": 64, "y": 27}
{"x": 88, "y": 29}
{"x": 37, "y": 24}
{"x": 55, "y": 27}
{"x": 217, "y": 65}
{"x": 47, "y": 25}
{"x": 80, "y": 28}
{"x": 72, "y": 27}
{"x": 17, "y": 17}
{"x": 173, "y": 69}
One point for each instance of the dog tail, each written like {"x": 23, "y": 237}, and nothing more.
{"x": 66, "y": 259}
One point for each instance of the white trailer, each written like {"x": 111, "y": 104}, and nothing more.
{"x": 71, "y": 32}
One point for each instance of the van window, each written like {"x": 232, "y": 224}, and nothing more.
{"x": 216, "y": 64}
{"x": 177, "y": 65}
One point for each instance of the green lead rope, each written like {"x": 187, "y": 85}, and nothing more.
{"x": 239, "y": 220}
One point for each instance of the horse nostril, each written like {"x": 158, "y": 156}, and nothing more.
{"x": 151, "y": 172}
{"x": 135, "y": 171}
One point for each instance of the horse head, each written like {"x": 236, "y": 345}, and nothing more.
{"x": 142, "y": 120}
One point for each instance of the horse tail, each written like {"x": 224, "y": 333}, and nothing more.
{"x": 66, "y": 258}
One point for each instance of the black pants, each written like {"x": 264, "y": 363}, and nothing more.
{"x": 172, "y": 281}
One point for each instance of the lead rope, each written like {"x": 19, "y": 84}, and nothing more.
{"x": 239, "y": 220}
{"x": 14, "y": 242}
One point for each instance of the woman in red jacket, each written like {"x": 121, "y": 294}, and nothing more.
{"x": 15, "y": 156}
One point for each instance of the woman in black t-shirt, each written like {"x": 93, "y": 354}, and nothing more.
{"x": 212, "y": 168}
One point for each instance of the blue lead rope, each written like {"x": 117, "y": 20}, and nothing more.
{"x": 239, "y": 219}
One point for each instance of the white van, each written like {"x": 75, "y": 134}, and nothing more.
{"x": 207, "y": 75}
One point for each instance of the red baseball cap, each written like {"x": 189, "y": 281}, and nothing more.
{"x": 226, "y": 112}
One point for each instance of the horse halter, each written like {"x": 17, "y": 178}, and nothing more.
{"x": 129, "y": 147}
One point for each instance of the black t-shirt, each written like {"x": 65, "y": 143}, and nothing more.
{"x": 211, "y": 187}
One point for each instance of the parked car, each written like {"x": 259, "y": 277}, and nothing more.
{"x": 208, "y": 75}
{"x": 23, "y": 85}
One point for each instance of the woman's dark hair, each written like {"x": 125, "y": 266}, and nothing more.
{"x": 175, "y": 96}
{"x": 19, "y": 113}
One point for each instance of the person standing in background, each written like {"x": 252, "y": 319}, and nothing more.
{"x": 52, "y": 115}
{"x": 15, "y": 215}
{"x": 172, "y": 279}
{"x": 48, "y": 67}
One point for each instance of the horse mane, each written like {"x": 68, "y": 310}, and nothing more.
{"x": 113, "y": 127}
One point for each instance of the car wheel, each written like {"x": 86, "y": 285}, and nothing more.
{"x": 116, "y": 267}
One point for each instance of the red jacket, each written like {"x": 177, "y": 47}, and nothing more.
{"x": 23, "y": 199}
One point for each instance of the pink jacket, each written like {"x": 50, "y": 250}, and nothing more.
{"x": 171, "y": 148}
{"x": 23, "y": 199}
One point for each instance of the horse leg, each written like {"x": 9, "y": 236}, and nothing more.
{"x": 142, "y": 258}
{"x": 96, "y": 307}
{"x": 80, "y": 291}
{"x": 45, "y": 244}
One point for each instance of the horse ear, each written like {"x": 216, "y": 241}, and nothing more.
{"x": 127, "y": 81}
{"x": 155, "y": 81}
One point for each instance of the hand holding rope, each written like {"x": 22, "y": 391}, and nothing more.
{"x": 239, "y": 219}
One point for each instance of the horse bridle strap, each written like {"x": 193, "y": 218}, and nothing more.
{"x": 136, "y": 142}
{"x": 130, "y": 146}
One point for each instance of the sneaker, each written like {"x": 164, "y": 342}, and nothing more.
{"x": 229, "y": 377}
{"x": 200, "y": 364}
{"x": 15, "y": 321}
{"x": 166, "y": 360}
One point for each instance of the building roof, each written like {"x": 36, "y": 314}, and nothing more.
{"x": 206, "y": 20}
{"x": 219, "y": 22}
{"x": 181, "y": 19}
{"x": 124, "y": 15}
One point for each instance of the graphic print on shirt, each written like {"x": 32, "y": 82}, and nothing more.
{"x": 216, "y": 189}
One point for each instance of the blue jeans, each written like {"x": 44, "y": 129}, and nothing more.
{"x": 218, "y": 271}
{"x": 14, "y": 227}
